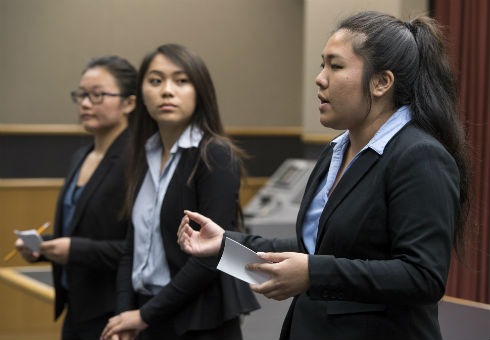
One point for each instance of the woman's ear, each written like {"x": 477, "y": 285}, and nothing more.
{"x": 129, "y": 104}
{"x": 382, "y": 83}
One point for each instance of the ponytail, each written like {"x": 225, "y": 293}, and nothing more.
{"x": 435, "y": 108}
{"x": 416, "y": 54}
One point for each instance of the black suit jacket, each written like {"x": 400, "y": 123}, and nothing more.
{"x": 97, "y": 236}
{"x": 383, "y": 247}
{"x": 198, "y": 296}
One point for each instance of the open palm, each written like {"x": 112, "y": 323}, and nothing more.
{"x": 206, "y": 241}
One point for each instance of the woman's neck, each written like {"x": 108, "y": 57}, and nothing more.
{"x": 104, "y": 139}
{"x": 361, "y": 135}
{"x": 170, "y": 135}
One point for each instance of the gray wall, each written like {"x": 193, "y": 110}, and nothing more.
{"x": 253, "y": 49}
{"x": 263, "y": 54}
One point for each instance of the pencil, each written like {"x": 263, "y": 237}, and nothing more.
{"x": 14, "y": 252}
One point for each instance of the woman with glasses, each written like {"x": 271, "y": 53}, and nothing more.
{"x": 181, "y": 159}
{"x": 89, "y": 232}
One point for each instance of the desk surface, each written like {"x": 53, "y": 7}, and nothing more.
{"x": 464, "y": 319}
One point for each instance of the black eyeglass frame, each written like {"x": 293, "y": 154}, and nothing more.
{"x": 95, "y": 98}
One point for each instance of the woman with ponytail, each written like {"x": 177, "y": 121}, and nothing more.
{"x": 88, "y": 235}
{"x": 388, "y": 199}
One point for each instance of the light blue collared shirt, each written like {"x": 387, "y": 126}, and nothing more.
{"x": 378, "y": 143}
{"x": 150, "y": 267}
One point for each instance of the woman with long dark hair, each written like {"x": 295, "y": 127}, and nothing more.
{"x": 181, "y": 159}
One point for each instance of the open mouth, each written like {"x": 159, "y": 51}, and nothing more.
{"x": 323, "y": 100}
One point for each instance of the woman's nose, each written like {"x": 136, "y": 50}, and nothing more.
{"x": 86, "y": 102}
{"x": 321, "y": 79}
{"x": 168, "y": 89}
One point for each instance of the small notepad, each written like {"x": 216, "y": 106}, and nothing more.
{"x": 31, "y": 239}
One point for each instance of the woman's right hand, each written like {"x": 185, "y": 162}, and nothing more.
{"x": 206, "y": 241}
{"x": 26, "y": 253}
{"x": 124, "y": 326}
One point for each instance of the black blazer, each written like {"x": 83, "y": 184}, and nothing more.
{"x": 384, "y": 244}
{"x": 198, "y": 296}
{"x": 97, "y": 236}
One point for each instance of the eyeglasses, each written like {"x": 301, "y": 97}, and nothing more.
{"x": 95, "y": 97}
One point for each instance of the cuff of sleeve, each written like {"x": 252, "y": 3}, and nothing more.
{"x": 318, "y": 266}
{"x": 78, "y": 246}
{"x": 222, "y": 247}
{"x": 212, "y": 261}
{"x": 144, "y": 315}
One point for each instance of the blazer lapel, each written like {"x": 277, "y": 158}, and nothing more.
{"x": 316, "y": 177}
{"x": 346, "y": 184}
{"x": 75, "y": 165}
{"x": 176, "y": 181}
{"x": 95, "y": 181}
{"x": 99, "y": 174}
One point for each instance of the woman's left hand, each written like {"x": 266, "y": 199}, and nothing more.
{"x": 126, "y": 321}
{"x": 289, "y": 275}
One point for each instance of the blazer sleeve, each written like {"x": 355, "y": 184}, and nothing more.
{"x": 422, "y": 194}
{"x": 126, "y": 298}
{"x": 216, "y": 193}
{"x": 258, "y": 243}
{"x": 96, "y": 254}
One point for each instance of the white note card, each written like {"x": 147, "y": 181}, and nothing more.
{"x": 31, "y": 238}
{"x": 234, "y": 259}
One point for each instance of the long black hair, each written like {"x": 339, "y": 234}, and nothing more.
{"x": 416, "y": 53}
{"x": 206, "y": 115}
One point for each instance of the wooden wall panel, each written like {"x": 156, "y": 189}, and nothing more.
{"x": 24, "y": 317}
{"x": 25, "y": 204}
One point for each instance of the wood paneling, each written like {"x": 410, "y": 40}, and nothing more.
{"x": 250, "y": 187}
{"x": 24, "y": 204}
{"x": 42, "y": 129}
{"x": 25, "y": 317}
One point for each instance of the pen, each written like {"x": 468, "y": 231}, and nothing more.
{"x": 13, "y": 252}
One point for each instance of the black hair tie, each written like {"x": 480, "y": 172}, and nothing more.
{"x": 411, "y": 27}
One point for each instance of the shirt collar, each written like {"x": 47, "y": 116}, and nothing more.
{"x": 385, "y": 133}
{"x": 190, "y": 138}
